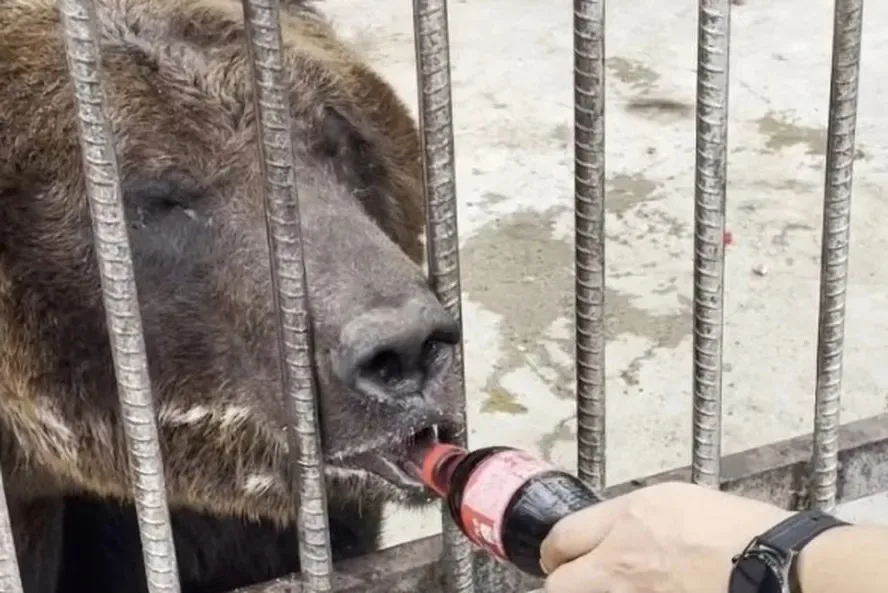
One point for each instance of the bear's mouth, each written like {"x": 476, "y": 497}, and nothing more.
{"x": 393, "y": 463}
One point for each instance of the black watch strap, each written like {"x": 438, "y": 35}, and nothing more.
{"x": 767, "y": 565}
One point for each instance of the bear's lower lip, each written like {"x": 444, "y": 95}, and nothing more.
{"x": 393, "y": 464}
{"x": 390, "y": 469}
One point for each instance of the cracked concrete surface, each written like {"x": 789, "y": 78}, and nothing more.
{"x": 513, "y": 114}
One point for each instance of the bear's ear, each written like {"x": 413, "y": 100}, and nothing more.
{"x": 340, "y": 132}
{"x": 357, "y": 154}
{"x": 338, "y": 135}
{"x": 344, "y": 140}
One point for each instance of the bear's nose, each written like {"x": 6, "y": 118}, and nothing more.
{"x": 395, "y": 352}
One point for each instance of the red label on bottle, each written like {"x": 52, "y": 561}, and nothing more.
{"x": 488, "y": 492}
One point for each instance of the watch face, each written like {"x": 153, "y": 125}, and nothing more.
{"x": 754, "y": 574}
{"x": 771, "y": 583}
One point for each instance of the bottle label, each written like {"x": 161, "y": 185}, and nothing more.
{"x": 488, "y": 492}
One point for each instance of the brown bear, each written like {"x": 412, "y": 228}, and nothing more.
{"x": 177, "y": 80}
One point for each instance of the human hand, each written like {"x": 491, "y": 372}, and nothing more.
{"x": 667, "y": 538}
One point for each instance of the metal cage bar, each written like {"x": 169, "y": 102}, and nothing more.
{"x": 847, "y": 31}
{"x": 710, "y": 171}
{"x": 589, "y": 239}
{"x": 271, "y": 98}
{"x": 119, "y": 295}
{"x": 432, "y": 41}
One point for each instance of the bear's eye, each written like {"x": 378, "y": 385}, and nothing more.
{"x": 159, "y": 195}
{"x": 152, "y": 201}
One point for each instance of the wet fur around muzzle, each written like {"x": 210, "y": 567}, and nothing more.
{"x": 177, "y": 79}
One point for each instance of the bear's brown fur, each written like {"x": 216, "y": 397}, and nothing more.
{"x": 177, "y": 79}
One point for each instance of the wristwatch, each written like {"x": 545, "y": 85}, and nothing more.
{"x": 768, "y": 563}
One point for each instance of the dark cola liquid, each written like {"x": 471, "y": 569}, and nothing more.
{"x": 505, "y": 500}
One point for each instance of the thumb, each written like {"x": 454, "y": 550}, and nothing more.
{"x": 579, "y": 533}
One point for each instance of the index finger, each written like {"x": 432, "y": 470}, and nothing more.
{"x": 578, "y": 533}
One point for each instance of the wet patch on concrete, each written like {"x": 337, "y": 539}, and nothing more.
{"x": 529, "y": 135}
{"x": 517, "y": 269}
{"x": 788, "y": 185}
{"x": 782, "y": 133}
{"x": 660, "y": 109}
{"x": 657, "y": 220}
{"x": 563, "y": 135}
{"x": 663, "y": 330}
{"x": 621, "y": 317}
{"x": 494, "y": 101}
{"x": 625, "y": 192}
{"x": 501, "y": 401}
{"x": 782, "y": 239}
{"x": 488, "y": 200}
{"x": 563, "y": 432}
{"x": 636, "y": 74}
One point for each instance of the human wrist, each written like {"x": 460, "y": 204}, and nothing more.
{"x": 770, "y": 563}
{"x": 818, "y": 560}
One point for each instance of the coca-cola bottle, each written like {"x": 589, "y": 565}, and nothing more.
{"x": 504, "y": 500}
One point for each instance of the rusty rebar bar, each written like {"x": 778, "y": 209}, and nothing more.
{"x": 122, "y": 313}
{"x": 589, "y": 239}
{"x": 271, "y": 98}
{"x": 847, "y": 30}
{"x": 713, "y": 51}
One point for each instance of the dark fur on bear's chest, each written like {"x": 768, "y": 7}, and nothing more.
{"x": 102, "y": 552}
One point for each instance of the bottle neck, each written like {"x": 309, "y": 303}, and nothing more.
{"x": 438, "y": 467}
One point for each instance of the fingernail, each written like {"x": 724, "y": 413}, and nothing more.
{"x": 543, "y": 566}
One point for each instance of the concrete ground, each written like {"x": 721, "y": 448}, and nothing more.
{"x": 512, "y": 77}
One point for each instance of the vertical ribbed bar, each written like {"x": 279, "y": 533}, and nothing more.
{"x": 713, "y": 47}
{"x": 431, "y": 37}
{"x": 847, "y": 26}
{"x": 10, "y": 576}
{"x": 589, "y": 238}
{"x": 271, "y": 99}
{"x": 121, "y": 302}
